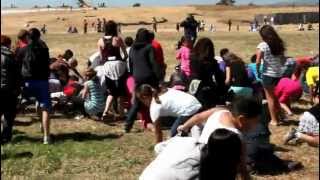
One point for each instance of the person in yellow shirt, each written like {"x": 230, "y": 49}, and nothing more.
{"x": 312, "y": 78}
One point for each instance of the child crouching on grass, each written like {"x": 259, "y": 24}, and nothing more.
{"x": 91, "y": 101}
{"x": 167, "y": 103}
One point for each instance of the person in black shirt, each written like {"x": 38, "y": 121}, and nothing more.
{"x": 144, "y": 69}
{"x": 190, "y": 28}
{"x": 10, "y": 88}
{"x": 35, "y": 72}
{"x": 237, "y": 75}
{"x": 206, "y": 75}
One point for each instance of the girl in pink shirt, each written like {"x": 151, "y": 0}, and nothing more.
{"x": 287, "y": 91}
{"x": 183, "y": 55}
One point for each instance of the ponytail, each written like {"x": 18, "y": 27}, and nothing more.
{"x": 146, "y": 90}
{"x": 155, "y": 95}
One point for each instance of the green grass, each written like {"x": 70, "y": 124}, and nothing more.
{"x": 90, "y": 150}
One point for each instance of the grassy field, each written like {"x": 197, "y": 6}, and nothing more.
{"x": 84, "y": 149}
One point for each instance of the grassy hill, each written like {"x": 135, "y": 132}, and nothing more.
{"x": 217, "y": 15}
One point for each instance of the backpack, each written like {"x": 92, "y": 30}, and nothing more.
{"x": 109, "y": 49}
{"x": 28, "y": 62}
{"x": 35, "y": 62}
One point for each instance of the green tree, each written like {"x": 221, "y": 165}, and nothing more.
{"x": 226, "y": 2}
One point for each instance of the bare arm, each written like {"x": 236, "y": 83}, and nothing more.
{"x": 197, "y": 119}
{"x": 100, "y": 48}
{"x": 123, "y": 49}
{"x": 311, "y": 140}
{"x": 85, "y": 91}
{"x": 228, "y": 75}
{"x": 158, "y": 131}
{"x": 258, "y": 61}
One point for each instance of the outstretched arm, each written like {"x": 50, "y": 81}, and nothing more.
{"x": 197, "y": 119}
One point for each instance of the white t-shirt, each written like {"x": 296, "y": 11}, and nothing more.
{"x": 272, "y": 64}
{"x": 114, "y": 69}
{"x": 179, "y": 160}
{"x": 174, "y": 103}
{"x": 213, "y": 123}
{"x": 101, "y": 75}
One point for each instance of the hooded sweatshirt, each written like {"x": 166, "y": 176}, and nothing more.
{"x": 143, "y": 64}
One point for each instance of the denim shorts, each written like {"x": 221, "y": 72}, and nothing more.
{"x": 268, "y": 81}
{"x": 40, "y": 90}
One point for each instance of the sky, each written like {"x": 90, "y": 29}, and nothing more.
{"x": 31, "y": 3}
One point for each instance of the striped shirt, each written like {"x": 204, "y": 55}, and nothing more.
{"x": 272, "y": 65}
{"x": 95, "y": 103}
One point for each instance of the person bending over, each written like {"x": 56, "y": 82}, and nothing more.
{"x": 167, "y": 103}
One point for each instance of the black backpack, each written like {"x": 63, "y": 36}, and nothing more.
{"x": 28, "y": 62}
{"x": 35, "y": 61}
{"x": 110, "y": 50}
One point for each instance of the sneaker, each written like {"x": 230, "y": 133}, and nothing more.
{"x": 46, "y": 140}
{"x": 290, "y": 135}
{"x": 127, "y": 128}
{"x": 294, "y": 165}
{"x": 79, "y": 117}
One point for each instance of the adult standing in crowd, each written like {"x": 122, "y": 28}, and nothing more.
{"x": 229, "y": 24}
{"x": 22, "y": 39}
{"x": 190, "y": 28}
{"x": 145, "y": 70}
{"x": 271, "y": 53}
{"x": 85, "y": 26}
{"x": 35, "y": 72}
{"x": 111, "y": 30}
{"x": 10, "y": 88}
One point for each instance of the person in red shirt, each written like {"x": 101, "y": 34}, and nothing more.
{"x": 287, "y": 91}
{"x": 158, "y": 54}
{"x": 302, "y": 63}
{"x": 22, "y": 39}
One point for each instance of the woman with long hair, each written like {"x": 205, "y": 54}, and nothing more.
{"x": 144, "y": 69}
{"x": 237, "y": 75}
{"x": 271, "y": 53}
{"x": 220, "y": 158}
{"x": 205, "y": 72}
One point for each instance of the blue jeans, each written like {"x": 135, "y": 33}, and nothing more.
{"x": 180, "y": 120}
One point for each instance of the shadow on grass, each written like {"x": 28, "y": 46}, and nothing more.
{"x": 302, "y": 101}
{"x": 84, "y": 136}
{"x": 77, "y": 136}
{"x": 290, "y": 122}
{"x": 25, "y": 123}
{"x": 298, "y": 110}
{"x": 280, "y": 149}
{"x": 17, "y": 155}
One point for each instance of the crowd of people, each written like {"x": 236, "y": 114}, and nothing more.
{"x": 216, "y": 101}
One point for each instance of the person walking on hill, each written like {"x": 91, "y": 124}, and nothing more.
{"x": 229, "y": 24}
{"x": 85, "y": 26}
{"x": 154, "y": 25}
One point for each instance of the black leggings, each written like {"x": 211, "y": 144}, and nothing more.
{"x": 78, "y": 105}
